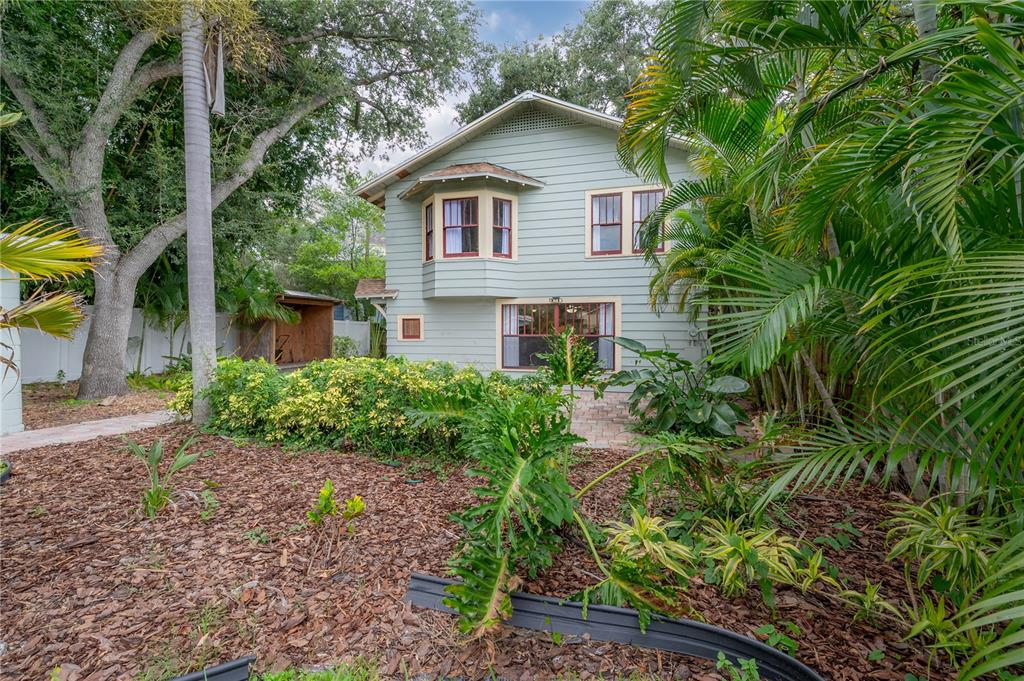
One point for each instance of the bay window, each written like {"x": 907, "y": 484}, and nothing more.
{"x": 644, "y": 203}
{"x": 428, "y": 235}
{"x": 606, "y": 224}
{"x": 525, "y": 328}
{"x": 502, "y": 213}
{"x": 461, "y": 227}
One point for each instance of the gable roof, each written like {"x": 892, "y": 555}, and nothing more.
{"x": 373, "y": 189}
{"x": 373, "y": 288}
{"x": 471, "y": 171}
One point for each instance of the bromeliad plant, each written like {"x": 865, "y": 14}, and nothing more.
{"x": 158, "y": 495}
{"x": 674, "y": 395}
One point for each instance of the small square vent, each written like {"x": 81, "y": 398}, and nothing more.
{"x": 531, "y": 120}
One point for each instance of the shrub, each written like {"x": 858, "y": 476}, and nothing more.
{"x": 361, "y": 403}
{"x": 674, "y": 395}
{"x": 344, "y": 346}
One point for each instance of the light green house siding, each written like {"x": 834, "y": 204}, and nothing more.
{"x": 457, "y": 298}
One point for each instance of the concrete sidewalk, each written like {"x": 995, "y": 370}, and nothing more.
{"x": 80, "y": 432}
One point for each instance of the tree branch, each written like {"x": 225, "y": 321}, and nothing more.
{"x": 123, "y": 85}
{"x": 153, "y": 244}
{"x": 42, "y": 164}
{"x": 54, "y": 149}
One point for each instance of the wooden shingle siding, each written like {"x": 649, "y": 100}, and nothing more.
{"x": 458, "y": 298}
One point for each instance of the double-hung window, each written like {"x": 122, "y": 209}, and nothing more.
{"x": 502, "y": 228}
{"x": 461, "y": 227}
{"x": 606, "y": 224}
{"x": 428, "y": 231}
{"x": 644, "y": 203}
{"x": 525, "y": 328}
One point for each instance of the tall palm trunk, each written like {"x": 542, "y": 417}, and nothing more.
{"x": 198, "y": 209}
{"x": 926, "y": 21}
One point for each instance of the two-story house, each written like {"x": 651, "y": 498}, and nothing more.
{"x": 519, "y": 224}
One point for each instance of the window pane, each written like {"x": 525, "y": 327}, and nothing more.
{"x": 607, "y": 238}
{"x": 501, "y": 241}
{"x": 469, "y": 240}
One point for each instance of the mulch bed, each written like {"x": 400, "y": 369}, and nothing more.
{"x": 89, "y": 584}
{"x": 45, "y": 405}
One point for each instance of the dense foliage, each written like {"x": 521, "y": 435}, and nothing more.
{"x": 854, "y": 241}
{"x": 358, "y": 403}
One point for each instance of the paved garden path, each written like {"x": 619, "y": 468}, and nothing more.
{"x": 80, "y": 432}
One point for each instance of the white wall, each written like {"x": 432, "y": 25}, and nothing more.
{"x": 10, "y": 381}
{"x": 357, "y": 331}
{"x": 45, "y": 355}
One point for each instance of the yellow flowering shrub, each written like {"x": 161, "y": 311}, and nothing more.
{"x": 358, "y": 403}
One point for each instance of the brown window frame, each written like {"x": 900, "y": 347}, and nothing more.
{"x": 445, "y": 227}
{"x": 594, "y": 223}
{"x": 637, "y": 223}
{"x": 428, "y": 231}
{"x": 402, "y": 335}
{"x": 550, "y": 321}
{"x": 504, "y": 228}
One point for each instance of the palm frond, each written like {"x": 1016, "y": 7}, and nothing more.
{"x": 41, "y": 250}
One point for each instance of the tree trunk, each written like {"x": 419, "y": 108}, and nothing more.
{"x": 925, "y": 19}
{"x": 198, "y": 211}
{"x": 103, "y": 371}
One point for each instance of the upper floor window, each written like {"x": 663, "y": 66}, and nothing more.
{"x": 644, "y": 203}
{"x": 428, "y": 222}
{"x": 502, "y": 228}
{"x": 461, "y": 227}
{"x": 606, "y": 224}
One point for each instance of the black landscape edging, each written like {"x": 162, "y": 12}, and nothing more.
{"x": 607, "y": 623}
{"x": 237, "y": 670}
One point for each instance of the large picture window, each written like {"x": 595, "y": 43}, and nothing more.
{"x": 428, "y": 231}
{"x": 644, "y": 204}
{"x": 502, "y": 228}
{"x": 606, "y": 224}
{"x": 461, "y": 227}
{"x": 525, "y": 328}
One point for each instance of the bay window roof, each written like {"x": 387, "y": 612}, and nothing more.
{"x": 470, "y": 171}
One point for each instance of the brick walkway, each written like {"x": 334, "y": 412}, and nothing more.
{"x": 605, "y": 422}
{"x": 80, "y": 432}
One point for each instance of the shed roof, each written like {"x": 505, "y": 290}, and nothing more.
{"x": 288, "y": 294}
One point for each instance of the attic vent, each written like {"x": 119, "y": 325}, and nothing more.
{"x": 528, "y": 121}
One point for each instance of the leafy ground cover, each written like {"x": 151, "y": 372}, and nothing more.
{"x": 230, "y": 568}
{"x": 51, "y": 404}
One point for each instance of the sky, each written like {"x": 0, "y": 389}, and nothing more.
{"x": 502, "y": 22}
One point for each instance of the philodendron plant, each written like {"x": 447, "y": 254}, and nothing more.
{"x": 673, "y": 394}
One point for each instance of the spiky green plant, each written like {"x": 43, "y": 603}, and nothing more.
{"x": 158, "y": 495}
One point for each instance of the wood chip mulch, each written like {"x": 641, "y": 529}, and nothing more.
{"x": 45, "y": 405}
{"x": 89, "y": 584}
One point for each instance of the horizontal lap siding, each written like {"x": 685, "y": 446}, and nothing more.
{"x": 550, "y": 240}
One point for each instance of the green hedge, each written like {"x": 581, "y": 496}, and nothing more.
{"x": 359, "y": 403}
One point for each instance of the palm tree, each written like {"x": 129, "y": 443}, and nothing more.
{"x": 198, "y": 209}
{"x": 867, "y": 236}
{"x": 42, "y": 252}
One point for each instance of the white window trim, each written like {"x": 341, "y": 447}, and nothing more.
{"x": 398, "y": 329}
{"x": 627, "y": 220}
{"x": 616, "y": 300}
{"x": 485, "y": 214}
